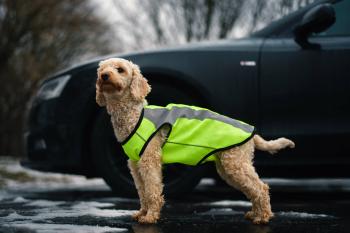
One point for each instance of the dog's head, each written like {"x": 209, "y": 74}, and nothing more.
{"x": 119, "y": 79}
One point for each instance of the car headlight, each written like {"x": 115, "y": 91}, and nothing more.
{"x": 53, "y": 88}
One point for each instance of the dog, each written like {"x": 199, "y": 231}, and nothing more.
{"x": 122, "y": 89}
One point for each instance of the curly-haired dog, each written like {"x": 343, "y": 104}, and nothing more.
{"x": 121, "y": 87}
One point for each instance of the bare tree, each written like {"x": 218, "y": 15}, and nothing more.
{"x": 153, "y": 23}
{"x": 37, "y": 38}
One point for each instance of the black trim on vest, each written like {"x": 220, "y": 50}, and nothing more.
{"x": 228, "y": 147}
{"x": 152, "y": 135}
{"x": 135, "y": 129}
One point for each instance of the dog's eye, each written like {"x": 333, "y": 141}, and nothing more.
{"x": 120, "y": 70}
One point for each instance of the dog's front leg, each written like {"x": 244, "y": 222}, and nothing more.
{"x": 150, "y": 168}
{"x": 140, "y": 189}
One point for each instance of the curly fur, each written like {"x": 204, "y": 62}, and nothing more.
{"x": 123, "y": 93}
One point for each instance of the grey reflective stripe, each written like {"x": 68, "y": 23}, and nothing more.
{"x": 160, "y": 116}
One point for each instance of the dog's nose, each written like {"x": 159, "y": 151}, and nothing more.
{"x": 104, "y": 77}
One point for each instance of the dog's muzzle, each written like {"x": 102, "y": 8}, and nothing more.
{"x": 105, "y": 77}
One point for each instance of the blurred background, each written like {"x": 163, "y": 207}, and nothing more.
{"x": 39, "y": 37}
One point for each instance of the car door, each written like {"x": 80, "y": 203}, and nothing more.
{"x": 305, "y": 94}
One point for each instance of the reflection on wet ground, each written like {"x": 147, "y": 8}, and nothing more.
{"x": 207, "y": 209}
{"x": 73, "y": 204}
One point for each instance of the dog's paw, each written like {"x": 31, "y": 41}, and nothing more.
{"x": 262, "y": 219}
{"x": 148, "y": 219}
{"x": 139, "y": 214}
{"x": 259, "y": 220}
{"x": 249, "y": 215}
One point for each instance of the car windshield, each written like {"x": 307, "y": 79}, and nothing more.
{"x": 274, "y": 11}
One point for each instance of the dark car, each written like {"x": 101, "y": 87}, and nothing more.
{"x": 290, "y": 79}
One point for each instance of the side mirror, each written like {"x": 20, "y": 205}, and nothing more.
{"x": 316, "y": 20}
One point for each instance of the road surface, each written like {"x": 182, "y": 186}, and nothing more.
{"x": 58, "y": 203}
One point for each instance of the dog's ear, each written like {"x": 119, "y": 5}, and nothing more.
{"x": 139, "y": 87}
{"x": 100, "y": 98}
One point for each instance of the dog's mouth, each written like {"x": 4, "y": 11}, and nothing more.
{"x": 111, "y": 87}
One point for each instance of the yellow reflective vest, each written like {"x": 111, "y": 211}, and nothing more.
{"x": 195, "y": 135}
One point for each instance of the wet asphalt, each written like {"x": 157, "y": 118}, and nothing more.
{"x": 209, "y": 208}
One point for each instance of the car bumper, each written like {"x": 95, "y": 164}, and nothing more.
{"x": 46, "y": 144}
{"x": 40, "y": 156}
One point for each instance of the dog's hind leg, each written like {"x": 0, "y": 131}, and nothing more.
{"x": 140, "y": 189}
{"x": 150, "y": 168}
{"x": 236, "y": 168}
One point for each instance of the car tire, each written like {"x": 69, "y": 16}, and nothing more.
{"x": 110, "y": 163}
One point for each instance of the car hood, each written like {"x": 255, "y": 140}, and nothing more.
{"x": 245, "y": 44}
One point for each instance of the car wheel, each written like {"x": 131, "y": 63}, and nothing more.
{"x": 110, "y": 163}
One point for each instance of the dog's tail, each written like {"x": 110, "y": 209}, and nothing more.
{"x": 272, "y": 146}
